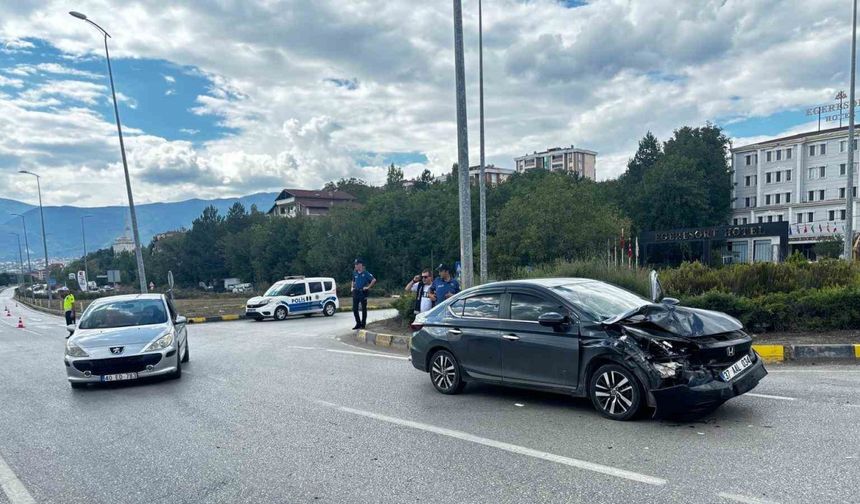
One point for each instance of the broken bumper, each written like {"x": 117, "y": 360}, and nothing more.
{"x": 698, "y": 399}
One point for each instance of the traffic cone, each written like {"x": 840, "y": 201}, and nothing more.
{"x": 20, "y": 323}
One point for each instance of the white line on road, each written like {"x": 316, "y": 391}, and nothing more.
{"x": 766, "y": 396}
{"x": 15, "y": 326}
{"x": 745, "y": 499}
{"x": 15, "y": 491}
{"x": 349, "y": 352}
{"x": 520, "y": 450}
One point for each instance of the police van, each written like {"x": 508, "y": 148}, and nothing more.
{"x": 295, "y": 295}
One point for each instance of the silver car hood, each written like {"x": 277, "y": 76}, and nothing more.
{"x": 134, "y": 335}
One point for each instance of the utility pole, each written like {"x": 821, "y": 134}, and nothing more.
{"x": 44, "y": 239}
{"x": 26, "y": 242}
{"x": 482, "y": 184}
{"x": 141, "y": 272}
{"x": 84, "y": 238}
{"x": 849, "y": 167}
{"x": 467, "y": 278}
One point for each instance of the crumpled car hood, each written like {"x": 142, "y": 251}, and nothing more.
{"x": 679, "y": 320}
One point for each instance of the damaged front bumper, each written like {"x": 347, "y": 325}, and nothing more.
{"x": 684, "y": 399}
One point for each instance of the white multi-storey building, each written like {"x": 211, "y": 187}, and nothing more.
{"x": 569, "y": 159}
{"x": 800, "y": 179}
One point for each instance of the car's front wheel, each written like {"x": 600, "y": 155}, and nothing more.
{"x": 187, "y": 356}
{"x": 329, "y": 309}
{"x": 445, "y": 373}
{"x": 615, "y": 392}
{"x": 280, "y": 313}
{"x": 178, "y": 373}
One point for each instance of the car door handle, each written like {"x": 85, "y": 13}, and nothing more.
{"x": 511, "y": 337}
{"x": 455, "y": 332}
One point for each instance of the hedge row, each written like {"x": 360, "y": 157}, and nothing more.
{"x": 828, "y": 308}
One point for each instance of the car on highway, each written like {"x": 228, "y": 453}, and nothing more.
{"x": 295, "y": 295}
{"x": 126, "y": 337}
{"x": 589, "y": 339}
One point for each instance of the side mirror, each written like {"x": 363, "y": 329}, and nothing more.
{"x": 71, "y": 329}
{"x": 180, "y": 320}
{"x": 656, "y": 288}
{"x": 553, "y": 319}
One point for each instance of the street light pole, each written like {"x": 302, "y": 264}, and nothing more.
{"x": 141, "y": 272}
{"x": 84, "y": 238}
{"x": 849, "y": 188}
{"x": 44, "y": 239}
{"x": 467, "y": 277}
{"x": 26, "y": 242}
{"x": 482, "y": 184}
{"x": 20, "y": 259}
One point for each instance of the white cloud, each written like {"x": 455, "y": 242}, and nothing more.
{"x": 598, "y": 76}
{"x": 169, "y": 79}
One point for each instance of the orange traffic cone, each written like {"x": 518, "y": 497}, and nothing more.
{"x": 20, "y": 323}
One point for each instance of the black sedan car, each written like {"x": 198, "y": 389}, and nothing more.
{"x": 587, "y": 338}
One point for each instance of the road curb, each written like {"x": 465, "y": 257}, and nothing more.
{"x": 770, "y": 353}
{"x": 382, "y": 339}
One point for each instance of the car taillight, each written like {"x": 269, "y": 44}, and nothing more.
{"x": 416, "y": 326}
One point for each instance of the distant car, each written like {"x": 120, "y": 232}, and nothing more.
{"x": 125, "y": 338}
{"x": 242, "y": 288}
{"x": 590, "y": 339}
{"x": 295, "y": 296}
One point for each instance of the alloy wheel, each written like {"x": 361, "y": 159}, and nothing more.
{"x": 614, "y": 393}
{"x": 445, "y": 373}
{"x": 280, "y": 313}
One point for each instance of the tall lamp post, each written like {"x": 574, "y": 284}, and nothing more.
{"x": 44, "y": 239}
{"x": 141, "y": 272}
{"x": 26, "y": 242}
{"x": 20, "y": 258}
{"x": 482, "y": 184}
{"x": 849, "y": 166}
{"x": 463, "y": 151}
{"x": 84, "y": 238}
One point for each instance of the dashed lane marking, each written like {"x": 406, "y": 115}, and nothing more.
{"x": 512, "y": 448}
{"x": 745, "y": 499}
{"x": 350, "y": 352}
{"x": 766, "y": 396}
{"x": 15, "y": 491}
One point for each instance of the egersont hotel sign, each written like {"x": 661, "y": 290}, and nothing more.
{"x": 716, "y": 233}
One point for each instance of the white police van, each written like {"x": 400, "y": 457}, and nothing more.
{"x": 295, "y": 295}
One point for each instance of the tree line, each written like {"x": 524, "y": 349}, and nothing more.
{"x": 535, "y": 217}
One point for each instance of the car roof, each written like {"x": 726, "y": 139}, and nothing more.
{"x": 128, "y": 297}
{"x": 541, "y": 282}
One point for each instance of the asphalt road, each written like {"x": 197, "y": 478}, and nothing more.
{"x": 284, "y": 412}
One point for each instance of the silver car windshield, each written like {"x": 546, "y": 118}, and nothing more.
{"x": 600, "y": 300}
{"x": 136, "y": 312}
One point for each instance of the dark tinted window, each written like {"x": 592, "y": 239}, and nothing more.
{"x": 527, "y": 307}
{"x": 297, "y": 289}
{"x": 486, "y": 306}
{"x": 132, "y": 312}
{"x": 457, "y": 307}
{"x": 315, "y": 286}
{"x": 328, "y": 286}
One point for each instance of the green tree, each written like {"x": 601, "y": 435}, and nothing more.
{"x": 672, "y": 195}
{"x": 394, "y": 179}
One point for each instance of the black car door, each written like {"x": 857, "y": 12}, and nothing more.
{"x": 474, "y": 333}
{"x": 535, "y": 355}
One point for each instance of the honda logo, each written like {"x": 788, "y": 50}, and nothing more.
{"x": 730, "y": 351}
{"x": 118, "y": 350}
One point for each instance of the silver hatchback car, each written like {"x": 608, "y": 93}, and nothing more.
{"x": 127, "y": 337}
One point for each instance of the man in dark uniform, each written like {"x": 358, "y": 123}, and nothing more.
{"x": 362, "y": 281}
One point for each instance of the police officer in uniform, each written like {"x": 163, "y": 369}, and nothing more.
{"x": 362, "y": 281}
{"x": 69, "y": 308}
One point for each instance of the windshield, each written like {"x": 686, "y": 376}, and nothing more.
{"x": 600, "y": 300}
{"x": 136, "y": 312}
{"x": 276, "y": 289}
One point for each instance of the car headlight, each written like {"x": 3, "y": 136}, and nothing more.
{"x": 73, "y": 350}
{"x": 161, "y": 343}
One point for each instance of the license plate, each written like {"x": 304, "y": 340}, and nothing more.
{"x": 736, "y": 368}
{"x": 119, "y": 377}
{"x": 250, "y": 309}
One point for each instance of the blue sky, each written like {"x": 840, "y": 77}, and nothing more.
{"x": 232, "y": 98}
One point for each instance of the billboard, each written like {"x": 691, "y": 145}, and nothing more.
{"x": 113, "y": 276}
{"x": 82, "y": 281}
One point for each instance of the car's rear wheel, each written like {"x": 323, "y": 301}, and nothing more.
{"x": 329, "y": 309}
{"x": 280, "y": 313}
{"x": 615, "y": 392}
{"x": 445, "y": 373}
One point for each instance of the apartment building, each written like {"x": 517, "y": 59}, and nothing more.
{"x": 570, "y": 159}
{"x": 800, "y": 179}
{"x": 493, "y": 175}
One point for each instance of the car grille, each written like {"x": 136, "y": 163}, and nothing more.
{"x": 257, "y": 305}
{"x": 133, "y": 364}
{"x": 714, "y": 350}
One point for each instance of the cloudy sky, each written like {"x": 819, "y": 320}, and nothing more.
{"x": 231, "y": 97}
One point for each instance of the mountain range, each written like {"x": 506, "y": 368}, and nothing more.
{"x": 63, "y": 224}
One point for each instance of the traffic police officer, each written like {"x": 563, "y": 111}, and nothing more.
{"x": 69, "y": 308}
{"x": 362, "y": 281}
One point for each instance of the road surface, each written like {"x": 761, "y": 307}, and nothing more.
{"x": 284, "y": 412}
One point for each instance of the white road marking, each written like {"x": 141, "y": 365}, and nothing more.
{"x": 15, "y": 491}
{"x": 520, "y": 450}
{"x": 349, "y": 352}
{"x": 15, "y": 326}
{"x": 766, "y": 396}
{"x": 828, "y": 371}
{"x": 745, "y": 499}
